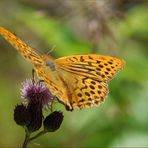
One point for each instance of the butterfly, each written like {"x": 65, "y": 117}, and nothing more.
{"x": 78, "y": 81}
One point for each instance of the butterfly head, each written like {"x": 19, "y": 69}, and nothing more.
{"x": 49, "y": 62}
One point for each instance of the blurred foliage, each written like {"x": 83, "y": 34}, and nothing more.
{"x": 78, "y": 27}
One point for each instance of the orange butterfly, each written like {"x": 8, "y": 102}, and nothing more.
{"x": 78, "y": 81}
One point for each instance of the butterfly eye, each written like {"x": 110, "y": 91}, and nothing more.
{"x": 51, "y": 65}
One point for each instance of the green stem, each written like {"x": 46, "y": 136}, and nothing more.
{"x": 26, "y": 141}
{"x": 37, "y": 135}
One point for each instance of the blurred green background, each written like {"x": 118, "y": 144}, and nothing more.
{"x": 117, "y": 27}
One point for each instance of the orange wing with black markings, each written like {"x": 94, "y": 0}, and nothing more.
{"x": 79, "y": 81}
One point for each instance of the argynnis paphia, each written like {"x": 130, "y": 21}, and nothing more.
{"x": 78, "y": 81}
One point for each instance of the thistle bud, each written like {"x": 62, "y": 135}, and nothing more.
{"x": 36, "y": 116}
{"x": 21, "y": 115}
{"x": 53, "y": 121}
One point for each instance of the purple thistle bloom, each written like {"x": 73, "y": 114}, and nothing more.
{"x": 36, "y": 92}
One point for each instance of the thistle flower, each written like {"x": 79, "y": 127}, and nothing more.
{"x": 32, "y": 91}
{"x": 30, "y": 115}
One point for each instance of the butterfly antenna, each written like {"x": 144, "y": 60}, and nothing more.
{"x": 51, "y": 50}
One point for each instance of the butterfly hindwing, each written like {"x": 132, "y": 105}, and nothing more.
{"x": 83, "y": 92}
{"x": 88, "y": 93}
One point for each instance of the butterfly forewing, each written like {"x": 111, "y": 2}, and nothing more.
{"x": 52, "y": 81}
{"x": 96, "y": 67}
{"x": 27, "y": 52}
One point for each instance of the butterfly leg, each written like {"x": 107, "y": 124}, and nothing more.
{"x": 51, "y": 105}
{"x": 68, "y": 108}
{"x": 33, "y": 76}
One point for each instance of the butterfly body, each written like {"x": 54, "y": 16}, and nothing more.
{"x": 48, "y": 72}
{"x": 78, "y": 81}
{"x": 51, "y": 65}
